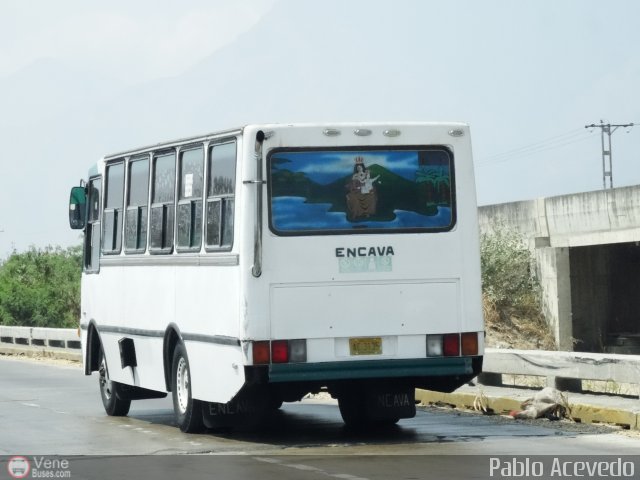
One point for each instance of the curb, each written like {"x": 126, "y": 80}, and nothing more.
{"x": 580, "y": 412}
{"x": 30, "y": 351}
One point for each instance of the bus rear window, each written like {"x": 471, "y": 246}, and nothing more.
{"x": 354, "y": 190}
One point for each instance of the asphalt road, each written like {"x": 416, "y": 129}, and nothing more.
{"x": 53, "y": 409}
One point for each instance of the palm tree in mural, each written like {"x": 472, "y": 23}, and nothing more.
{"x": 442, "y": 185}
{"x": 437, "y": 185}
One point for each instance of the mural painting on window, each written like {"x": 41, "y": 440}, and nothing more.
{"x": 375, "y": 189}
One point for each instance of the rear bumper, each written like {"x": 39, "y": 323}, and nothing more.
{"x": 375, "y": 369}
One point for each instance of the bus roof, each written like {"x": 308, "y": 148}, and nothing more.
{"x": 236, "y": 131}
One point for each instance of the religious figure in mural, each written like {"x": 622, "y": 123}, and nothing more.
{"x": 362, "y": 196}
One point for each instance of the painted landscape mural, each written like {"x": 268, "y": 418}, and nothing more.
{"x": 372, "y": 189}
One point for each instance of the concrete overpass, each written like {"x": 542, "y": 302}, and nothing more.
{"x": 587, "y": 252}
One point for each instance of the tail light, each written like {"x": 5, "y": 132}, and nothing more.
{"x": 453, "y": 345}
{"x": 434, "y": 345}
{"x": 469, "y": 343}
{"x": 297, "y": 351}
{"x": 279, "y": 351}
{"x": 261, "y": 353}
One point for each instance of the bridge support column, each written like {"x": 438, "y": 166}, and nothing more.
{"x": 555, "y": 278}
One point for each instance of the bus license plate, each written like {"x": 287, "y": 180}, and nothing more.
{"x": 365, "y": 346}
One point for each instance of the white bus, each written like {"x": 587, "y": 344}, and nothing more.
{"x": 250, "y": 267}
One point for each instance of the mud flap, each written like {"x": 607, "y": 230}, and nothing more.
{"x": 390, "y": 403}
{"x": 245, "y": 410}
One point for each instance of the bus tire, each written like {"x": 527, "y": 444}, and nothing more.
{"x": 188, "y": 412}
{"x": 109, "y": 392}
{"x": 352, "y": 410}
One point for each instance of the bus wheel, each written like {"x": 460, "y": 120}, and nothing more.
{"x": 109, "y": 391}
{"x": 352, "y": 410}
{"x": 188, "y": 411}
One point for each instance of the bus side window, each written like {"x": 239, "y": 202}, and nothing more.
{"x": 135, "y": 229}
{"x": 220, "y": 196}
{"x": 92, "y": 236}
{"x": 189, "y": 210}
{"x": 112, "y": 236}
{"x": 162, "y": 203}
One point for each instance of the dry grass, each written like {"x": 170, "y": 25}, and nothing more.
{"x": 523, "y": 327}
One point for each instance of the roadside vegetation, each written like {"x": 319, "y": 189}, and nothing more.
{"x": 511, "y": 294}
{"x": 41, "y": 288}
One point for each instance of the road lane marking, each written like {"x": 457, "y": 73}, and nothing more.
{"x": 309, "y": 468}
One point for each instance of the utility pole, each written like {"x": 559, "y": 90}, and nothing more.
{"x": 607, "y": 128}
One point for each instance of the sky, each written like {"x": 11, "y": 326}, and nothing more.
{"x": 80, "y": 79}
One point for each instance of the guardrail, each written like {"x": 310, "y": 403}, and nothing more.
{"x": 563, "y": 370}
{"x": 54, "y": 342}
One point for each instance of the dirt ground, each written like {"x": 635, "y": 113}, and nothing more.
{"x": 508, "y": 328}
{"x": 41, "y": 359}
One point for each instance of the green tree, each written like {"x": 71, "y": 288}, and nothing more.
{"x": 512, "y": 293}
{"x": 41, "y": 287}
{"x": 507, "y": 277}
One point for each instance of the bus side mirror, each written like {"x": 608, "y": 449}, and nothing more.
{"x": 78, "y": 208}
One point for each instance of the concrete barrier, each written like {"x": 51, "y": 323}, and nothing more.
{"x": 562, "y": 370}
{"x": 52, "y": 342}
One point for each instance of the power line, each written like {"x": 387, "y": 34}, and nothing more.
{"x": 551, "y": 143}
{"x": 539, "y": 143}
{"x": 607, "y": 128}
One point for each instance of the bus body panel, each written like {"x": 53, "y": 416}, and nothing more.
{"x": 201, "y": 301}
{"x": 216, "y": 370}
{"x": 429, "y": 285}
{"x": 140, "y": 296}
{"x": 323, "y": 288}
{"x": 385, "y": 308}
